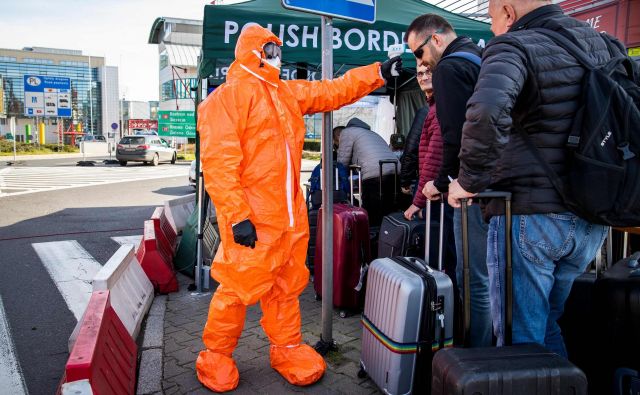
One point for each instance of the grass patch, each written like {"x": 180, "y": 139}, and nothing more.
{"x": 6, "y": 148}
{"x": 311, "y": 155}
{"x": 187, "y": 156}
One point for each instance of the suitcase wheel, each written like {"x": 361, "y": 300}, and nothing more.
{"x": 317, "y": 297}
{"x": 362, "y": 373}
{"x": 343, "y": 314}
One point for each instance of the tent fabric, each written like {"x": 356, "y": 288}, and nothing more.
{"x": 354, "y": 43}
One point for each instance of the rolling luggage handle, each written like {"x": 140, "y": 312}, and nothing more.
{"x": 395, "y": 178}
{"x": 358, "y": 169}
{"x": 427, "y": 233}
{"x": 508, "y": 294}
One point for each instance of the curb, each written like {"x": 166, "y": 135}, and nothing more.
{"x": 150, "y": 374}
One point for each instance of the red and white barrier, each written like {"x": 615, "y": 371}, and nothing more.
{"x": 179, "y": 210}
{"x": 164, "y": 232}
{"x": 130, "y": 289}
{"x": 104, "y": 353}
{"x": 156, "y": 264}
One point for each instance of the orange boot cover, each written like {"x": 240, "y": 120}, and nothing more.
{"x": 215, "y": 368}
{"x": 299, "y": 364}
{"x": 216, "y": 371}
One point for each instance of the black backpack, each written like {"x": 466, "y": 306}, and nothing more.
{"x": 602, "y": 184}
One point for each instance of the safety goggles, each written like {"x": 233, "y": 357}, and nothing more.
{"x": 272, "y": 51}
{"x": 420, "y": 51}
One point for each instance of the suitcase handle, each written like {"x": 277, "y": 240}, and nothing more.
{"x": 427, "y": 233}
{"x": 419, "y": 263}
{"x": 357, "y": 169}
{"x": 508, "y": 294}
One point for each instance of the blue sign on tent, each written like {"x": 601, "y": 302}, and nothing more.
{"x": 353, "y": 10}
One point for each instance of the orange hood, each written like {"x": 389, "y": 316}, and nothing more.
{"x": 249, "y": 56}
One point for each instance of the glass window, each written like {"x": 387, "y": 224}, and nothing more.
{"x": 164, "y": 60}
{"x": 132, "y": 140}
{"x": 7, "y": 59}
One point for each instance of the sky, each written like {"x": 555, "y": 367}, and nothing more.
{"x": 115, "y": 29}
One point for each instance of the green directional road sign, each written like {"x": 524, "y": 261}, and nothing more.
{"x": 177, "y": 123}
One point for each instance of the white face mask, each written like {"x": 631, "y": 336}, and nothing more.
{"x": 275, "y": 62}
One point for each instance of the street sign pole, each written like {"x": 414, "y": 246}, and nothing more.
{"x": 12, "y": 127}
{"x": 327, "y": 192}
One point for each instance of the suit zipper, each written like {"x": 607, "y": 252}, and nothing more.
{"x": 289, "y": 194}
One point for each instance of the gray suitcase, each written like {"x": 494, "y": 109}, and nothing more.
{"x": 408, "y": 316}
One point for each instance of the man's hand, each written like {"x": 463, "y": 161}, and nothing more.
{"x": 456, "y": 192}
{"x": 244, "y": 233}
{"x": 391, "y": 68}
{"x": 430, "y": 191}
{"x": 405, "y": 190}
{"x": 411, "y": 211}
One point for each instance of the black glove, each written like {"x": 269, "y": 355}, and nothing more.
{"x": 391, "y": 68}
{"x": 244, "y": 233}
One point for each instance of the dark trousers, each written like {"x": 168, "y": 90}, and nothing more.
{"x": 378, "y": 206}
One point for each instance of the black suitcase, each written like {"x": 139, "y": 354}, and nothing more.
{"x": 519, "y": 370}
{"x": 401, "y": 237}
{"x": 618, "y": 291}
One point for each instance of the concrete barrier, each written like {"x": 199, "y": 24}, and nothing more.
{"x": 156, "y": 264}
{"x": 178, "y": 211}
{"x": 94, "y": 148}
{"x": 130, "y": 289}
{"x": 104, "y": 353}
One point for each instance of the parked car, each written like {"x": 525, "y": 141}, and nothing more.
{"x": 149, "y": 149}
{"x": 192, "y": 174}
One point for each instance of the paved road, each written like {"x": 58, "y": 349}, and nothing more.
{"x": 50, "y": 244}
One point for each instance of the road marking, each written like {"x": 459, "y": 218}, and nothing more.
{"x": 123, "y": 240}
{"x": 11, "y": 379}
{"x": 72, "y": 268}
{"x": 23, "y": 180}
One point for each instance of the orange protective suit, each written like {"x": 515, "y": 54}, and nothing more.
{"x": 252, "y": 133}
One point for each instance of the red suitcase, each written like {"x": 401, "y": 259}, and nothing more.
{"x": 351, "y": 254}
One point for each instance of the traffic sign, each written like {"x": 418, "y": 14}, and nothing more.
{"x": 114, "y": 126}
{"x": 353, "y": 10}
{"x": 177, "y": 123}
{"x": 47, "y": 96}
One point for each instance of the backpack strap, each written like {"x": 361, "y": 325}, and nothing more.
{"x": 471, "y": 57}
{"x": 568, "y": 45}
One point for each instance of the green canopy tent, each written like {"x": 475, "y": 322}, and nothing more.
{"x": 355, "y": 44}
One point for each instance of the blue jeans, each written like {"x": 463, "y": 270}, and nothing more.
{"x": 478, "y": 276}
{"x": 549, "y": 251}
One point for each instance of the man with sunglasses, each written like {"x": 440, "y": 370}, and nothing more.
{"x": 455, "y": 64}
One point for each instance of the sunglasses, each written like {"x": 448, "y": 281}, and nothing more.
{"x": 420, "y": 51}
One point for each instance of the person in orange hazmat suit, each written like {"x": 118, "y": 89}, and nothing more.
{"x": 252, "y": 133}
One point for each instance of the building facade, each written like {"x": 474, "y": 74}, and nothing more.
{"x": 179, "y": 42}
{"x": 93, "y": 96}
{"x": 139, "y": 115}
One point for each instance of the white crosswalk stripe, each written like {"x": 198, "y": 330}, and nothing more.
{"x": 72, "y": 269}
{"x": 11, "y": 379}
{"x": 23, "y": 180}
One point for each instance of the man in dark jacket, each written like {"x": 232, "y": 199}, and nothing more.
{"x": 529, "y": 86}
{"x": 434, "y": 43}
{"x": 358, "y": 145}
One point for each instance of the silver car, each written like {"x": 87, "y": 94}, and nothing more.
{"x": 149, "y": 149}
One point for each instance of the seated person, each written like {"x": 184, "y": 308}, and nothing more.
{"x": 358, "y": 145}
